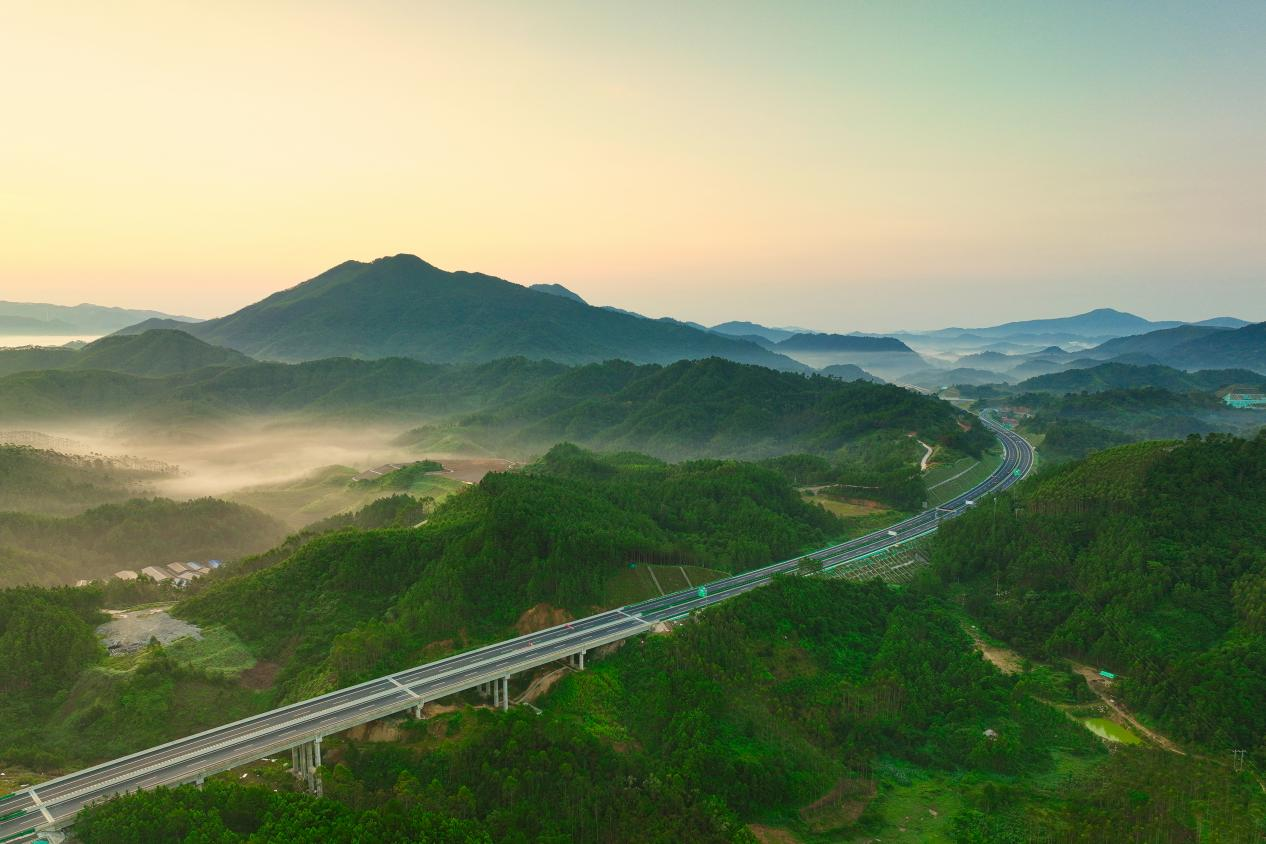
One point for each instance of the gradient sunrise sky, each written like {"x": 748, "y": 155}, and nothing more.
{"x": 836, "y": 165}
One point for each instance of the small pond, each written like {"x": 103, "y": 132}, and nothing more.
{"x": 1110, "y": 730}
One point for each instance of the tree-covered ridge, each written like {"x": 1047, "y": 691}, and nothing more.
{"x": 1123, "y": 376}
{"x": 36, "y": 480}
{"x": 698, "y": 408}
{"x": 554, "y": 534}
{"x": 38, "y": 549}
{"x": 157, "y": 352}
{"x": 709, "y": 408}
{"x": 1146, "y": 559}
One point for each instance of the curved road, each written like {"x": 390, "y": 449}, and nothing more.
{"x": 54, "y": 803}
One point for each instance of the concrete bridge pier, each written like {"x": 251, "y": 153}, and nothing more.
{"x": 577, "y": 660}
{"x": 501, "y": 693}
{"x": 417, "y": 710}
{"x": 305, "y": 759}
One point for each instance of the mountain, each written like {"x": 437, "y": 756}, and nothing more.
{"x": 1196, "y": 347}
{"x": 157, "y": 352}
{"x": 1241, "y": 347}
{"x": 154, "y": 352}
{"x": 1223, "y": 322}
{"x": 403, "y": 306}
{"x": 557, "y": 290}
{"x": 35, "y": 318}
{"x": 810, "y": 342}
{"x": 1101, "y": 322}
{"x": 849, "y": 372}
{"x": 1115, "y": 376}
{"x": 991, "y": 360}
{"x": 1156, "y": 343}
{"x": 886, "y": 357}
{"x": 935, "y": 379}
{"x": 738, "y": 328}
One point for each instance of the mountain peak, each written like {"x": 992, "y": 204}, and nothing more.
{"x": 401, "y": 306}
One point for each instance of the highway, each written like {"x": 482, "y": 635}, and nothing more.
{"x": 53, "y": 804}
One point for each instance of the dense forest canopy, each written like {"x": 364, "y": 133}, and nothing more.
{"x": 554, "y": 534}
{"x": 35, "y": 480}
{"x": 133, "y": 534}
{"x": 1147, "y": 559}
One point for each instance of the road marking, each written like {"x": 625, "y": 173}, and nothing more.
{"x": 403, "y": 686}
{"x": 39, "y": 804}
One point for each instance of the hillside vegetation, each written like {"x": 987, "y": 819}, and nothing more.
{"x": 47, "y": 550}
{"x": 822, "y": 710}
{"x": 330, "y": 490}
{"x": 1119, "y": 376}
{"x": 158, "y": 352}
{"x": 1078, "y": 423}
{"x": 717, "y": 408}
{"x": 64, "y": 703}
{"x": 554, "y": 534}
{"x": 1146, "y": 560}
{"x": 41, "y": 481}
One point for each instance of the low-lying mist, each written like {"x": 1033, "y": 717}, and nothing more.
{"x": 260, "y": 451}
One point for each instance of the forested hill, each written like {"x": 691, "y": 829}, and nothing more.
{"x": 555, "y": 534}
{"x": 402, "y": 306}
{"x": 1146, "y": 560}
{"x": 133, "y": 534}
{"x": 711, "y": 407}
{"x": 51, "y": 483}
{"x": 691, "y": 408}
{"x": 1119, "y": 376}
{"x": 158, "y": 352}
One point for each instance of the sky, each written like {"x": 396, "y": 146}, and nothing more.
{"x": 842, "y": 165}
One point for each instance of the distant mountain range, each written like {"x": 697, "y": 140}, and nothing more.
{"x": 1101, "y": 322}
{"x": 31, "y": 318}
{"x": 403, "y": 306}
